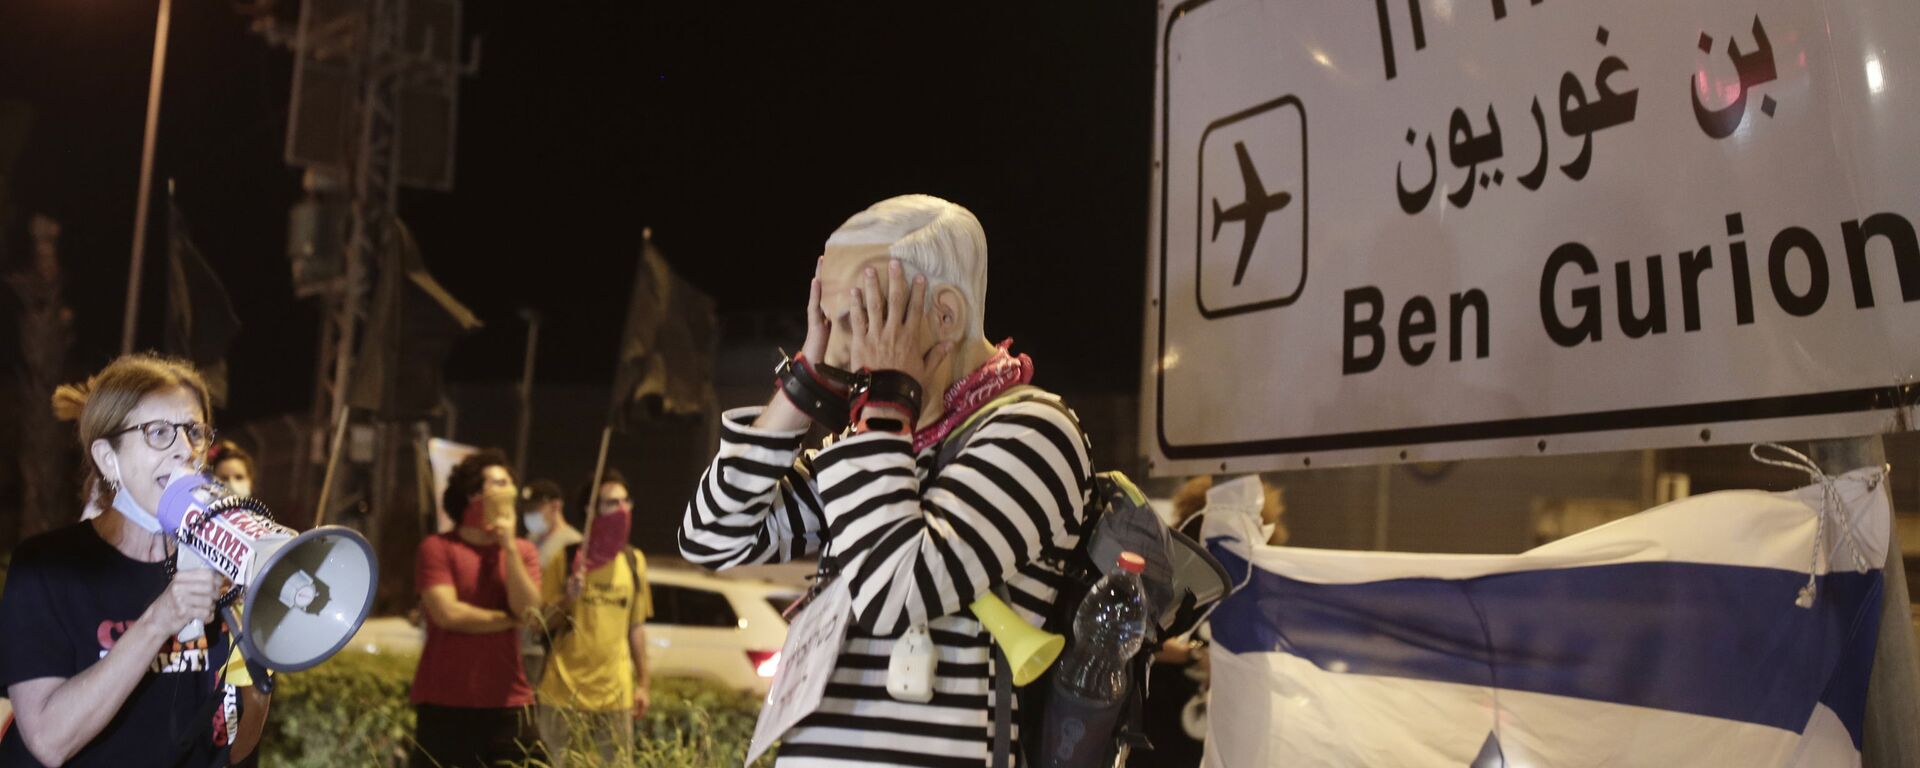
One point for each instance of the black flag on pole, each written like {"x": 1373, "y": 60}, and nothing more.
{"x": 666, "y": 354}
{"x": 401, "y": 368}
{"x": 201, "y": 322}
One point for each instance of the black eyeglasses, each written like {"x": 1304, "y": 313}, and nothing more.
{"x": 161, "y": 434}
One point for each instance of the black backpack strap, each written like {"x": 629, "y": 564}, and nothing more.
{"x": 1025, "y": 393}
{"x": 950, "y": 447}
{"x": 1002, "y": 709}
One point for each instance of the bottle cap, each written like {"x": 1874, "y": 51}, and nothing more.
{"x": 1132, "y": 563}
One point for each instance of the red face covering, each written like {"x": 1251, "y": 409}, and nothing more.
{"x": 475, "y": 515}
{"x": 492, "y": 504}
{"x": 608, "y": 538}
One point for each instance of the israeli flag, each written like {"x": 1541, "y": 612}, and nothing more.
{"x": 1730, "y": 629}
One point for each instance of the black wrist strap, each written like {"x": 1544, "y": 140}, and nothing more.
{"x": 893, "y": 388}
{"x": 826, "y": 407}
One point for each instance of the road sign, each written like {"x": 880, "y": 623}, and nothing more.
{"x": 1435, "y": 229}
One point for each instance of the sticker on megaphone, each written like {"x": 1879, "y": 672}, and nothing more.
{"x": 226, "y": 532}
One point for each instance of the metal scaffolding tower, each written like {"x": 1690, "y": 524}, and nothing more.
{"x": 375, "y": 97}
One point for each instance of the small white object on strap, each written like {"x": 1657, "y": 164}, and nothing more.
{"x": 1243, "y": 497}
{"x": 1831, "y": 505}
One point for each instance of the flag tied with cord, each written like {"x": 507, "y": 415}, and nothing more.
{"x": 1668, "y": 638}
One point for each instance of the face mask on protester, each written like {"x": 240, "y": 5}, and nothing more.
{"x": 608, "y": 538}
{"x": 133, "y": 512}
{"x": 494, "y": 504}
{"x": 536, "y": 524}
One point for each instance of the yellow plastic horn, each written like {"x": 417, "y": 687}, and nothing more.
{"x": 1029, "y": 649}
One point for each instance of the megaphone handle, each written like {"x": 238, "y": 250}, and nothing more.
{"x": 262, "y": 681}
{"x": 186, "y": 560}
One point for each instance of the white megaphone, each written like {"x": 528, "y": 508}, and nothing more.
{"x": 303, "y": 595}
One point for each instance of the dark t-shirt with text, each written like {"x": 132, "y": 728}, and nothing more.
{"x": 69, "y": 597}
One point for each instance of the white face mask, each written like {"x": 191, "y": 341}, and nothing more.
{"x": 536, "y": 524}
{"x": 130, "y": 509}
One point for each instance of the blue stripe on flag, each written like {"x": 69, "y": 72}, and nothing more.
{"x": 1716, "y": 640}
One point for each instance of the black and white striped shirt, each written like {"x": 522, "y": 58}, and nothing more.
{"x": 918, "y": 547}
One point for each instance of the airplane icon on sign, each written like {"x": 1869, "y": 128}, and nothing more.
{"x": 1252, "y": 212}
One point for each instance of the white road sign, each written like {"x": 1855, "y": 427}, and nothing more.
{"x": 1434, "y": 229}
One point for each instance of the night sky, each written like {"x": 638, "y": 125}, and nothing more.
{"x": 741, "y": 134}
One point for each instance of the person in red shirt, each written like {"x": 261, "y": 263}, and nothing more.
{"x": 479, "y": 584}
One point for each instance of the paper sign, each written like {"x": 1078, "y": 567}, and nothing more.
{"x": 806, "y": 664}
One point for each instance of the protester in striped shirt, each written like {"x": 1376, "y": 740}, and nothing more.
{"x": 900, "y": 287}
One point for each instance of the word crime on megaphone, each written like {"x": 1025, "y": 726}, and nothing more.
{"x": 302, "y": 595}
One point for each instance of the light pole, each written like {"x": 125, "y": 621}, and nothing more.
{"x": 158, "y": 73}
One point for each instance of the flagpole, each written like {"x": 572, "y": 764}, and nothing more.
{"x": 333, "y": 463}
{"x": 1893, "y": 688}
{"x": 526, "y": 393}
{"x": 593, "y": 500}
{"x": 156, "y": 75}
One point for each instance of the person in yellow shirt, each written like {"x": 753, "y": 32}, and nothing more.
{"x": 595, "y": 683}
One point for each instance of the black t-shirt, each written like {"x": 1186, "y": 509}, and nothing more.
{"x": 69, "y": 596}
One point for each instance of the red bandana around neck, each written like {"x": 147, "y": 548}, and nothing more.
{"x": 1002, "y": 372}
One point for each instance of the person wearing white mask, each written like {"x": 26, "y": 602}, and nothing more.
{"x": 542, "y": 514}
{"x": 93, "y": 612}
{"x": 232, "y": 466}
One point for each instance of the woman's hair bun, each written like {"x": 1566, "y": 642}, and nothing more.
{"x": 69, "y": 400}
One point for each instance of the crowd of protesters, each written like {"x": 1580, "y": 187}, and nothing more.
{"x": 534, "y": 644}
{"x": 534, "y": 602}
{"x": 96, "y": 672}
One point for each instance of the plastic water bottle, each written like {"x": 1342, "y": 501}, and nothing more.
{"x": 1091, "y": 683}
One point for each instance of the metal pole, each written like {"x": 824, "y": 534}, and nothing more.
{"x": 423, "y": 477}
{"x": 156, "y": 74}
{"x": 1892, "y": 738}
{"x": 1382, "y": 505}
{"x": 333, "y": 463}
{"x": 593, "y": 499}
{"x": 526, "y": 394}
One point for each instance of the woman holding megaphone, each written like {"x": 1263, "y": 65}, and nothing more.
{"x": 93, "y": 613}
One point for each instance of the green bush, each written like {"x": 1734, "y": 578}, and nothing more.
{"x": 353, "y": 710}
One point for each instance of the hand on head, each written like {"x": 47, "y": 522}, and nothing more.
{"x": 890, "y": 328}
